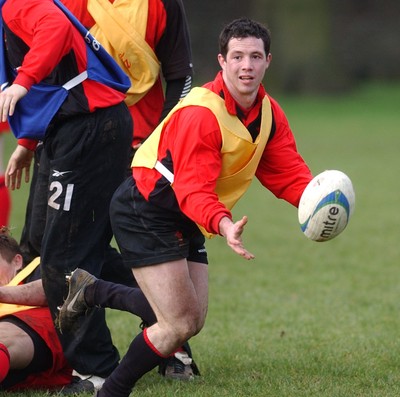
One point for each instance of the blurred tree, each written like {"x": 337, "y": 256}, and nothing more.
{"x": 206, "y": 19}
{"x": 302, "y": 56}
{"x": 367, "y": 35}
{"x": 318, "y": 46}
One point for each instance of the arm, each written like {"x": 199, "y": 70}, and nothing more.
{"x": 197, "y": 165}
{"x": 194, "y": 140}
{"x": 175, "y": 90}
{"x": 46, "y": 31}
{"x": 49, "y": 36}
{"x": 30, "y": 294}
{"x": 175, "y": 55}
{"x": 282, "y": 170}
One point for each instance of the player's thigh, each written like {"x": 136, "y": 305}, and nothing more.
{"x": 171, "y": 291}
{"x": 18, "y": 343}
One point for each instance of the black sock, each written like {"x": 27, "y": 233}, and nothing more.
{"x": 140, "y": 358}
{"x": 117, "y": 296}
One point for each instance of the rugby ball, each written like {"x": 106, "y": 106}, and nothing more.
{"x": 326, "y": 205}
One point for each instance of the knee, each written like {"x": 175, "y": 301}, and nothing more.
{"x": 188, "y": 326}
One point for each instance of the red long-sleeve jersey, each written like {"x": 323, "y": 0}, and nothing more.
{"x": 190, "y": 146}
{"x": 44, "y": 46}
{"x": 47, "y": 37}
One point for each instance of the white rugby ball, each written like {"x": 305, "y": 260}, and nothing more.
{"x": 326, "y": 205}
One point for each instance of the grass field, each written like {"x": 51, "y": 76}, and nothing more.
{"x": 304, "y": 319}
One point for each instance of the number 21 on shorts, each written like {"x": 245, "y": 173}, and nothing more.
{"x": 55, "y": 200}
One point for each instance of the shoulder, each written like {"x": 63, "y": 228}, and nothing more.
{"x": 26, "y": 8}
{"x": 277, "y": 111}
{"x": 195, "y": 115}
{"x": 197, "y": 122}
{"x": 275, "y": 106}
{"x": 29, "y": 14}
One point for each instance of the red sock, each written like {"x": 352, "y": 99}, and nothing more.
{"x": 5, "y": 203}
{"x": 4, "y": 362}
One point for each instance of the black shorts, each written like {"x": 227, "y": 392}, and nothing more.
{"x": 148, "y": 235}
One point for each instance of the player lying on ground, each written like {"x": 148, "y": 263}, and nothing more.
{"x": 30, "y": 352}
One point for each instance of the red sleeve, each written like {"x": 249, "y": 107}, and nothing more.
{"x": 46, "y": 30}
{"x": 4, "y": 127}
{"x": 29, "y": 144}
{"x": 282, "y": 170}
{"x": 50, "y": 36}
{"x": 196, "y": 154}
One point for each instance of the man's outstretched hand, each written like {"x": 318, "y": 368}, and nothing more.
{"x": 232, "y": 231}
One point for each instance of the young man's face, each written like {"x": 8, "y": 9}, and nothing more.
{"x": 244, "y": 67}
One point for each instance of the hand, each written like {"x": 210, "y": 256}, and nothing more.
{"x": 9, "y": 98}
{"x": 233, "y": 232}
{"x": 19, "y": 161}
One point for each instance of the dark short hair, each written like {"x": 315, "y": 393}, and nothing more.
{"x": 241, "y": 28}
{"x": 8, "y": 245}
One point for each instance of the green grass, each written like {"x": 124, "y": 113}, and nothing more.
{"x": 304, "y": 319}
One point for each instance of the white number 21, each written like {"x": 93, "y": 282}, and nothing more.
{"x": 58, "y": 188}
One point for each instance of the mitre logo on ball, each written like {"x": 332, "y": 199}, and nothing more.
{"x": 326, "y": 205}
